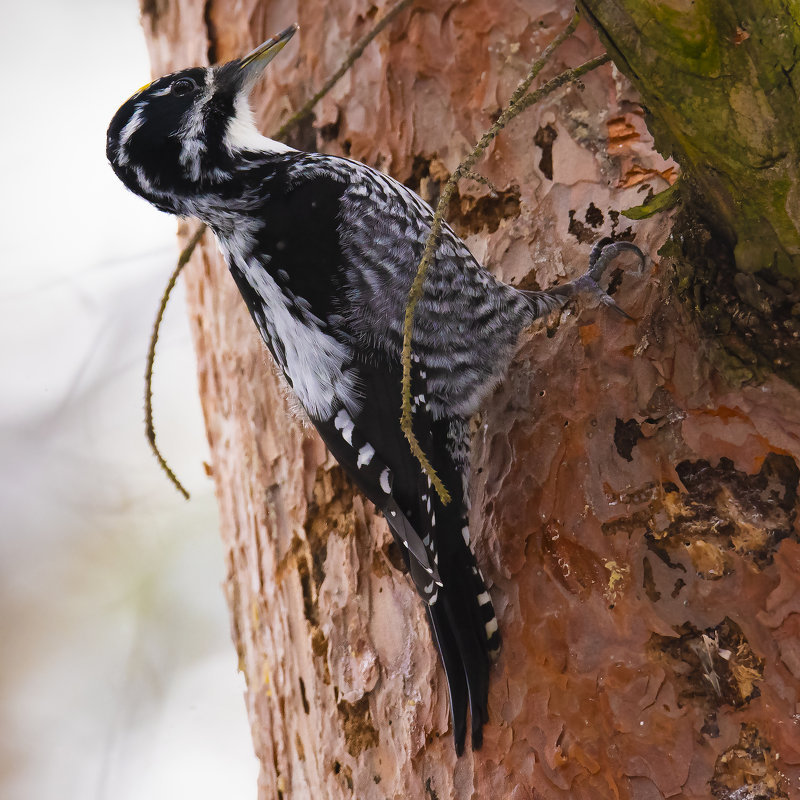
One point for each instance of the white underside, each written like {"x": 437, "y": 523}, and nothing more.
{"x": 314, "y": 361}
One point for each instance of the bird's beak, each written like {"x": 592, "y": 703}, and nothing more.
{"x": 253, "y": 64}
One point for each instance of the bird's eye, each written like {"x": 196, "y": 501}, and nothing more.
{"x": 183, "y": 86}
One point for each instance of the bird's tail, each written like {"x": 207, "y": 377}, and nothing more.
{"x": 465, "y": 629}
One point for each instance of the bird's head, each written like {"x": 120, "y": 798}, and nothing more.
{"x": 181, "y": 133}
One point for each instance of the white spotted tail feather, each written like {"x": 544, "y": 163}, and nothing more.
{"x": 431, "y": 537}
{"x": 375, "y": 478}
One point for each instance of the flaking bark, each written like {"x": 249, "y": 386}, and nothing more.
{"x": 637, "y": 512}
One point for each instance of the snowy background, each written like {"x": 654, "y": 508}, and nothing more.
{"x": 117, "y": 675}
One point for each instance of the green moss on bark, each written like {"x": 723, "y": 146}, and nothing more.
{"x": 717, "y": 78}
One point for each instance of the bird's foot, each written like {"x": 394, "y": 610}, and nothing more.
{"x": 603, "y": 253}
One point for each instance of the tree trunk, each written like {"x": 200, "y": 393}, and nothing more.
{"x": 637, "y": 509}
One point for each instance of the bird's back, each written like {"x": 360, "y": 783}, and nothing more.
{"x": 346, "y": 241}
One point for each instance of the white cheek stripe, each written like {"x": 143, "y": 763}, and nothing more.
{"x": 242, "y": 134}
{"x": 146, "y": 185}
{"x": 192, "y": 144}
{"x": 131, "y": 126}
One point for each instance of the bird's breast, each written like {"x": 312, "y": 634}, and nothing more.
{"x": 317, "y": 365}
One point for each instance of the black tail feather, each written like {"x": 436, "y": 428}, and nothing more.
{"x": 456, "y": 677}
{"x": 459, "y": 621}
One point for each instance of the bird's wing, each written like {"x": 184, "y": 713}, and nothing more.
{"x": 370, "y": 446}
{"x": 466, "y": 324}
{"x": 318, "y": 272}
{"x": 368, "y": 443}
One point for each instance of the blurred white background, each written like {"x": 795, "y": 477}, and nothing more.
{"x": 117, "y": 675}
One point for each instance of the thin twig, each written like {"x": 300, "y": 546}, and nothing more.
{"x": 432, "y": 243}
{"x": 351, "y": 58}
{"x": 482, "y": 179}
{"x": 150, "y": 430}
{"x": 565, "y": 77}
{"x": 519, "y": 101}
{"x": 187, "y": 251}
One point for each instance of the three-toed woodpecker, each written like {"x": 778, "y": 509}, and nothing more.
{"x": 324, "y": 250}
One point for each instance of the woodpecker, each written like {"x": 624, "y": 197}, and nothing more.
{"x": 324, "y": 250}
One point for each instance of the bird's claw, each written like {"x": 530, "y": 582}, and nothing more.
{"x": 603, "y": 253}
{"x": 606, "y": 250}
{"x": 612, "y": 304}
{"x": 586, "y": 285}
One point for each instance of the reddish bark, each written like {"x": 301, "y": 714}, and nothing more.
{"x": 637, "y": 514}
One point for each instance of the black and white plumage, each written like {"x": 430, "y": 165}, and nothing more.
{"x": 323, "y": 251}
